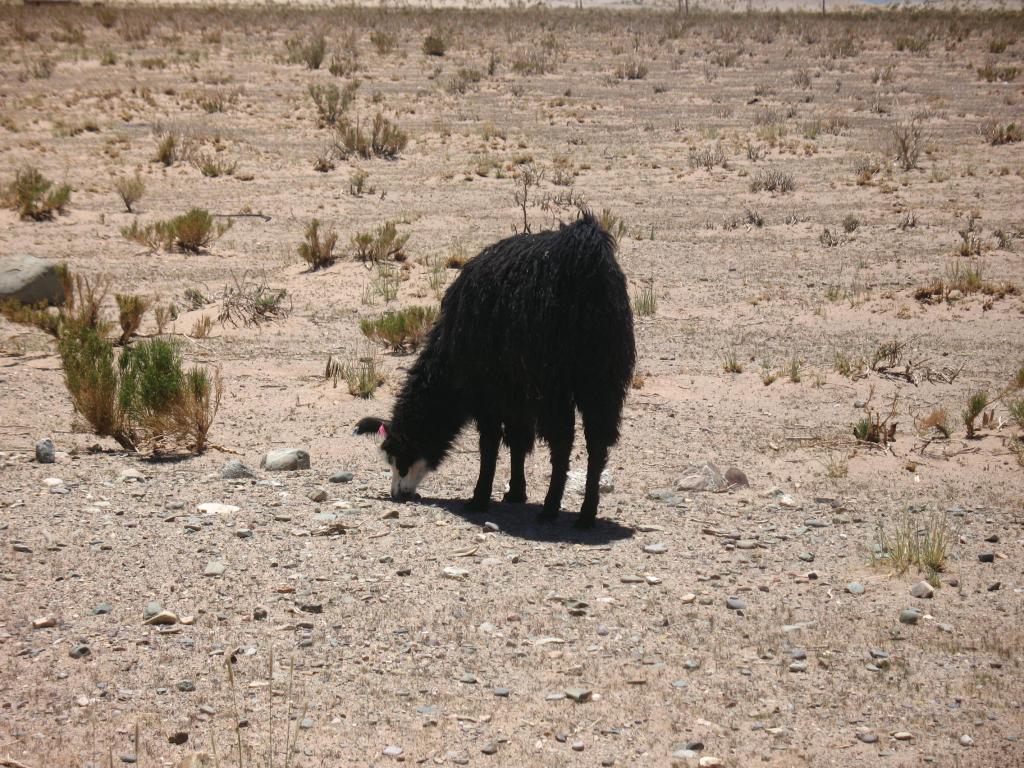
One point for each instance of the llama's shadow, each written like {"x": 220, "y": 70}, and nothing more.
{"x": 520, "y": 520}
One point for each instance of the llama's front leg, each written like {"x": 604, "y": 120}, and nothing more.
{"x": 490, "y": 436}
{"x": 520, "y": 443}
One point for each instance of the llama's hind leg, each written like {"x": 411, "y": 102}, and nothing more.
{"x": 520, "y": 443}
{"x": 559, "y": 436}
{"x": 490, "y": 436}
{"x": 600, "y": 426}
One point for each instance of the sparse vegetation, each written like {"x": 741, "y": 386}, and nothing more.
{"x": 772, "y": 180}
{"x": 130, "y": 189}
{"x": 130, "y": 309}
{"x": 380, "y": 245}
{"x": 332, "y": 102}
{"x": 192, "y": 232}
{"x": 915, "y": 542}
{"x": 434, "y": 45}
{"x": 906, "y": 138}
{"x": 384, "y": 138}
{"x": 34, "y": 197}
{"x": 317, "y": 249}
{"x": 307, "y": 51}
{"x": 401, "y": 329}
{"x": 996, "y": 133}
{"x": 645, "y": 301}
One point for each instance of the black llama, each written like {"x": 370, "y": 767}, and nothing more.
{"x": 535, "y": 326}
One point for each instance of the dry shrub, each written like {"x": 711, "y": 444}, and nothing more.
{"x": 130, "y": 189}
{"x": 384, "y": 139}
{"x": 34, "y": 197}
{"x": 906, "y": 141}
{"x": 317, "y": 250}
{"x": 403, "y": 329}
{"x": 996, "y": 133}
{"x": 130, "y": 310}
{"x": 250, "y": 301}
{"x": 381, "y": 244}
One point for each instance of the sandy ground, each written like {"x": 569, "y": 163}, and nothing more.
{"x": 356, "y": 647}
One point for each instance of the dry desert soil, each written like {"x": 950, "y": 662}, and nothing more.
{"x": 794, "y": 273}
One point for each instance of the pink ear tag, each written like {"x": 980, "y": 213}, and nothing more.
{"x": 382, "y": 432}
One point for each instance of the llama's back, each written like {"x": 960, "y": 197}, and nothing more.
{"x": 540, "y": 315}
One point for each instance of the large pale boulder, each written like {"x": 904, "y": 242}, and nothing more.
{"x": 30, "y": 280}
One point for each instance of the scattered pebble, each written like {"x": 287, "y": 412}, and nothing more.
{"x": 44, "y": 622}
{"x": 341, "y": 477}
{"x": 236, "y": 470}
{"x": 855, "y": 588}
{"x": 735, "y": 604}
{"x": 656, "y": 549}
{"x": 162, "y": 618}
{"x": 79, "y": 651}
{"x": 987, "y": 557}
{"x": 285, "y": 460}
{"x": 579, "y": 695}
{"x": 214, "y": 568}
{"x": 966, "y": 741}
{"x": 910, "y": 615}
{"x": 393, "y": 751}
{"x": 922, "y": 589}
{"x": 45, "y": 453}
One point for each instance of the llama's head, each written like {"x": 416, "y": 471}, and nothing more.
{"x": 408, "y": 466}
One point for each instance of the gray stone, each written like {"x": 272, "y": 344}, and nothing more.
{"x": 656, "y": 549}
{"x": 807, "y": 557}
{"x": 966, "y": 741}
{"x": 151, "y": 610}
{"x": 214, "y": 568}
{"x": 341, "y": 477}
{"x": 318, "y": 495}
{"x": 705, "y": 477}
{"x": 185, "y": 686}
{"x": 855, "y": 588}
{"x": 45, "y": 452}
{"x": 501, "y": 693}
{"x": 579, "y": 695}
{"x": 285, "y": 460}
{"x": 735, "y": 604}
{"x": 922, "y": 590}
{"x": 393, "y": 751}
{"x": 490, "y": 748}
{"x": 910, "y": 615}
{"x": 987, "y": 557}
{"x": 30, "y": 280}
{"x": 868, "y": 737}
{"x": 102, "y": 609}
{"x": 236, "y": 470}
{"x": 79, "y": 651}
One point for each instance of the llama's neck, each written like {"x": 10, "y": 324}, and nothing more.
{"x": 429, "y": 412}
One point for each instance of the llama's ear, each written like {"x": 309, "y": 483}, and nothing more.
{"x": 371, "y": 425}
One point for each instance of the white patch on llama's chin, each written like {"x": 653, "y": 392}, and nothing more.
{"x": 406, "y": 486}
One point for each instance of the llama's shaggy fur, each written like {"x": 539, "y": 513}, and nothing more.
{"x": 535, "y": 326}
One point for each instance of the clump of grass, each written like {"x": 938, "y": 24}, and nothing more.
{"x": 993, "y": 73}
{"x": 130, "y": 310}
{"x": 434, "y": 45}
{"x": 631, "y": 69}
{"x": 965, "y": 276}
{"x": 383, "y": 139}
{"x": 307, "y": 51}
{"x": 331, "y": 102}
{"x": 358, "y": 183}
{"x": 318, "y": 250}
{"x": 977, "y": 402}
{"x": 212, "y": 165}
{"x": 731, "y": 364}
{"x": 794, "y": 369}
{"x": 384, "y": 41}
{"x": 90, "y": 374}
{"x": 169, "y": 148}
{"x": 192, "y": 232}
{"x": 612, "y": 224}
{"x": 828, "y": 239}
{"x": 772, "y": 180}
{"x": 383, "y": 243}
{"x": 707, "y": 158}
{"x": 165, "y": 405}
{"x": 362, "y": 376}
{"x": 906, "y": 141}
{"x": 34, "y": 197}
{"x": 915, "y": 543}
{"x": 645, "y": 300}
{"x": 130, "y": 189}
{"x": 996, "y": 133}
{"x": 850, "y": 223}
{"x": 402, "y": 329}
{"x": 865, "y": 169}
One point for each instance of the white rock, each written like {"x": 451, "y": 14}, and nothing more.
{"x": 216, "y": 508}
{"x": 452, "y": 572}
